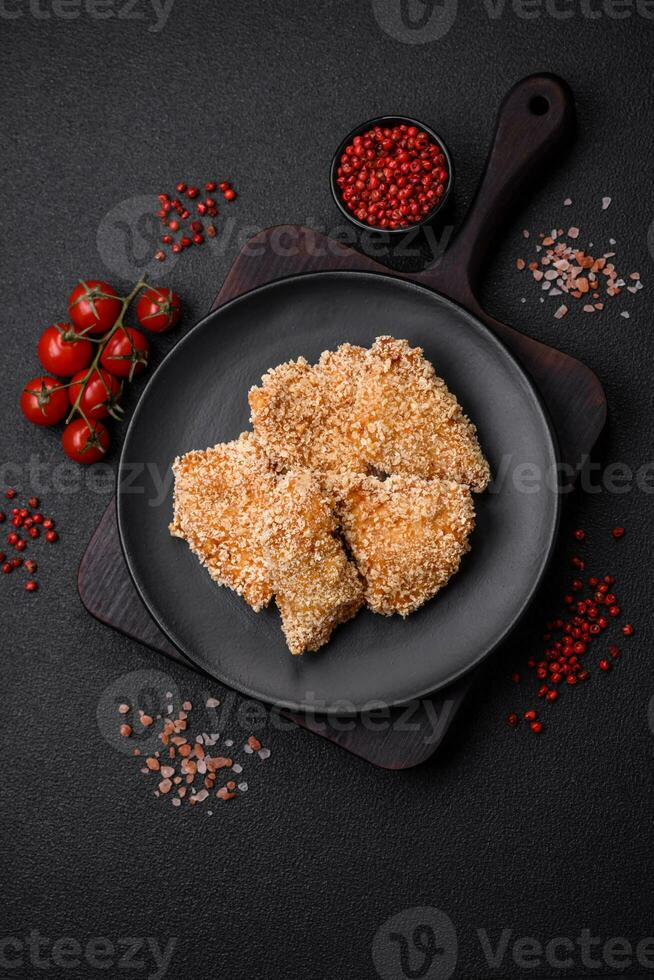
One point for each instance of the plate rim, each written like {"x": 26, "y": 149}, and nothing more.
{"x": 553, "y": 447}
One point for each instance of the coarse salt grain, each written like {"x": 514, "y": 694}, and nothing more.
{"x": 561, "y": 312}
{"x": 187, "y": 760}
{"x": 605, "y": 203}
{"x": 213, "y": 703}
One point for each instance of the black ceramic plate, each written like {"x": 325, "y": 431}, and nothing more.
{"x": 198, "y": 397}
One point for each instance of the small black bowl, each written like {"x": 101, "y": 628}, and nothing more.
{"x": 388, "y": 122}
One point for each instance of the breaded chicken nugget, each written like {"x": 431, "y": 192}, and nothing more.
{"x": 302, "y": 415}
{"x": 407, "y": 536}
{"x": 315, "y": 585}
{"x": 220, "y": 498}
{"x": 409, "y": 422}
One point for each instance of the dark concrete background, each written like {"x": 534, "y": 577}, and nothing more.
{"x": 542, "y": 836}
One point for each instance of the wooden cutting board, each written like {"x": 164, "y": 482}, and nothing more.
{"x": 535, "y": 121}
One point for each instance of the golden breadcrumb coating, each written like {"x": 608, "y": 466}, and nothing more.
{"x": 407, "y": 536}
{"x": 409, "y": 422}
{"x": 264, "y": 513}
{"x": 302, "y": 415}
{"x": 315, "y": 585}
{"x": 221, "y": 497}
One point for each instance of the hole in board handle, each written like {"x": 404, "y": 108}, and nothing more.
{"x": 539, "y": 105}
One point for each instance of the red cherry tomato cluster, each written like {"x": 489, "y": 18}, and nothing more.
{"x": 391, "y": 178}
{"x": 96, "y": 352}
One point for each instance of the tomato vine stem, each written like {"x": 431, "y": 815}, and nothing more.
{"x": 118, "y": 325}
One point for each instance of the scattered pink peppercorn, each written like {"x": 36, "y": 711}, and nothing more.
{"x": 51, "y": 537}
{"x": 579, "y": 535}
{"x": 628, "y": 629}
{"x": 512, "y": 720}
{"x": 31, "y": 585}
{"x": 617, "y": 532}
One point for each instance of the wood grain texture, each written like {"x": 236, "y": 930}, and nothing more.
{"x": 524, "y": 141}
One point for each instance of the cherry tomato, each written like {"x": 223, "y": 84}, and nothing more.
{"x": 44, "y": 401}
{"x": 100, "y": 396}
{"x": 62, "y": 352}
{"x": 159, "y": 310}
{"x": 94, "y": 306}
{"x": 83, "y": 444}
{"x": 126, "y": 354}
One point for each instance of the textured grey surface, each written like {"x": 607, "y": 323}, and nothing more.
{"x": 544, "y": 837}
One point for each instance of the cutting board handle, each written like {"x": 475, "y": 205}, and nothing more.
{"x": 535, "y": 121}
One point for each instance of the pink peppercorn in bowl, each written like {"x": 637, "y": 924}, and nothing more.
{"x": 391, "y": 174}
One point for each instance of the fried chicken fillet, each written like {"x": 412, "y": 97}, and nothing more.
{"x": 302, "y": 415}
{"x": 407, "y": 421}
{"x": 315, "y": 585}
{"x": 407, "y": 536}
{"x": 221, "y": 496}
